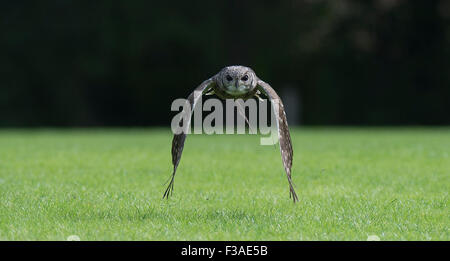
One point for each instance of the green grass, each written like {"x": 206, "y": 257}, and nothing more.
{"x": 108, "y": 185}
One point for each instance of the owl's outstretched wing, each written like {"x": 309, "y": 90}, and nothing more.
{"x": 178, "y": 139}
{"x": 283, "y": 133}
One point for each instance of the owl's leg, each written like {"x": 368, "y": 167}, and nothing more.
{"x": 210, "y": 92}
{"x": 258, "y": 95}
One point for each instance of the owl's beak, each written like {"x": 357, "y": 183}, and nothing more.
{"x": 236, "y": 84}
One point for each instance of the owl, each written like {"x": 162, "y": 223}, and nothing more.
{"x": 238, "y": 82}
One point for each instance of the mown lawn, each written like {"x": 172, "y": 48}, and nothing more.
{"x": 108, "y": 185}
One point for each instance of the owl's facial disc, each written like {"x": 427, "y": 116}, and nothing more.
{"x": 237, "y": 84}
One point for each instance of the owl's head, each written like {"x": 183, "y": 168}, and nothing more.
{"x": 237, "y": 80}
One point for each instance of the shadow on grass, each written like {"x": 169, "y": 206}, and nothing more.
{"x": 161, "y": 214}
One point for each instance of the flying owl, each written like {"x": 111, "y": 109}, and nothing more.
{"x": 238, "y": 82}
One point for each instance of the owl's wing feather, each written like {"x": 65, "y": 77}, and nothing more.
{"x": 179, "y": 139}
{"x": 283, "y": 133}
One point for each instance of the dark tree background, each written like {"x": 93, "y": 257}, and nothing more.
{"x": 121, "y": 63}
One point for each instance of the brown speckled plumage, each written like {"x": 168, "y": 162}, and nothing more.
{"x": 234, "y": 82}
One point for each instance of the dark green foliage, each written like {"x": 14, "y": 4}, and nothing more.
{"x": 96, "y": 63}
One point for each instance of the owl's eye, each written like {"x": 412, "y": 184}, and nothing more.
{"x": 244, "y": 78}
{"x": 229, "y": 78}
